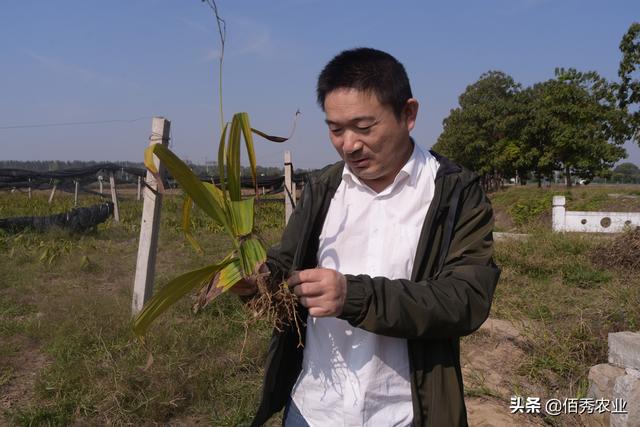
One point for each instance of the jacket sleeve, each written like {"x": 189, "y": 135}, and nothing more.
{"x": 455, "y": 303}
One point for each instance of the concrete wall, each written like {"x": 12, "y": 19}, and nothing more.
{"x": 591, "y": 222}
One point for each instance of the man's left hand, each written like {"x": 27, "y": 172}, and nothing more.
{"x": 321, "y": 290}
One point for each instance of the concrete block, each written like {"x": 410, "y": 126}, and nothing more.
{"x": 627, "y": 388}
{"x": 602, "y": 379}
{"x": 624, "y": 349}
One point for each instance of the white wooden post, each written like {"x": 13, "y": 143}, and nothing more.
{"x": 114, "y": 197}
{"x": 53, "y": 192}
{"x": 100, "y": 182}
{"x": 558, "y": 213}
{"x": 75, "y": 196}
{"x": 139, "y": 187}
{"x": 288, "y": 168}
{"x": 29, "y": 188}
{"x": 150, "y": 225}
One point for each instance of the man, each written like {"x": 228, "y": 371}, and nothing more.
{"x": 389, "y": 253}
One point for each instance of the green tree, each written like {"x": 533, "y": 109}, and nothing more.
{"x": 577, "y": 123}
{"x": 535, "y": 138}
{"x": 481, "y": 134}
{"x": 626, "y": 173}
{"x": 629, "y": 72}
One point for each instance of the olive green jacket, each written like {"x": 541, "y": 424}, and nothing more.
{"x": 449, "y": 294}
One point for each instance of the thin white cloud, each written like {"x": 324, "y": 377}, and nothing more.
{"x": 254, "y": 37}
{"x": 58, "y": 66}
{"x": 244, "y": 37}
{"x": 196, "y": 26}
{"x": 211, "y": 55}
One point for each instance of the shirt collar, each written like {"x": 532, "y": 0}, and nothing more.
{"x": 410, "y": 169}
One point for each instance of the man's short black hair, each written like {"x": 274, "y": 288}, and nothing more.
{"x": 367, "y": 70}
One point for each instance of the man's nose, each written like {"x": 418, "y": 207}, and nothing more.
{"x": 351, "y": 142}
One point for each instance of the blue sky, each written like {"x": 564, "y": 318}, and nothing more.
{"x": 77, "y": 61}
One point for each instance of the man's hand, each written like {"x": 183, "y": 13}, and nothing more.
{"x": 321, "y": 290}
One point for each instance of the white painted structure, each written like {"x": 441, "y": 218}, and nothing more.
{"x": 591, "y": 222}
{"x": 150, "y": 224}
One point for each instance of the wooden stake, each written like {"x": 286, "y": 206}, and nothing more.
{"x": 29, "y": 188}
{"x": 100, "y": 182}
{"x": 75, "y": 196}
{"x": 53, "y": 192}
{"x": 150, "y": 225}
{"x": 139, "y": 187}
{"x": 114, "y": 197}
{"x": 288, "y": 168}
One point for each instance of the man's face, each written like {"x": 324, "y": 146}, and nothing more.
{"x": 368, "y": 136}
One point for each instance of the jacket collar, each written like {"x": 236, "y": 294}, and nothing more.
{"x": 447, "y": 167}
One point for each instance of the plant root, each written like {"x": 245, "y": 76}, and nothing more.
{"x": 276, "y": 304}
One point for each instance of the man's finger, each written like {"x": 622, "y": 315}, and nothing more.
{"x": 294, "y": 279}
{"x": 307, "y": 290}
{"x": 304, "y": 276}
{"x": 310, "y": 301}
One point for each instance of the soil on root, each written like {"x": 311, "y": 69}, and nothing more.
{"x": 277, "y": 304}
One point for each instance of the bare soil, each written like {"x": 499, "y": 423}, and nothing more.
{"x": 490, "y": 358}
{"x": 22, "y": 368}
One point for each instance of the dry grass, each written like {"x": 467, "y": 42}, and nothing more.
{"x": 619, "y": 253}
{"x": 67, "y": 355}
{"x": 66, "y": 348}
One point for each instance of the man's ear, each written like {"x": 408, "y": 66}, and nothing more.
{"x": 410, "y": 112}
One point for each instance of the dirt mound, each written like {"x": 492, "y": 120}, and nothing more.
{"x": 621, "y": 252}
{"x": 490, "y": 359}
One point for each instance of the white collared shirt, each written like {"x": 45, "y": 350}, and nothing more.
{"x": 351, "y": 377}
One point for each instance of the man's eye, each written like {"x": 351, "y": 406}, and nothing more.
{"x": 335, "y": 130}
{"x": 364, "y": 129}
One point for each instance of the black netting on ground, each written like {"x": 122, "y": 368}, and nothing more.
{"x": 64, "y": 179}
{"x": 76, "y": 220}
{"x": 21, "y": 175}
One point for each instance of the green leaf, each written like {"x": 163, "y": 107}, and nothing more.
{"x": 242, "y": 216}
{"x": 151, "y": 166}
{"x": 191, "y": 184}
{"x": 229, "y": 275}
{"x": 248, "y": 139}
{"x": 222, "y": 282}
{"x": 271, "y": 138}
{"x": 174, "y": 291}
{"x": 279, "y": 138}
{"x": 216, "y": 193}
{"x": 186, "y": 224}
{"x": 233, "y": 160}
{"x": 252, "y": 255}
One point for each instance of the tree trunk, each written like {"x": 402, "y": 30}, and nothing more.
{"x": 567, "y": 175}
